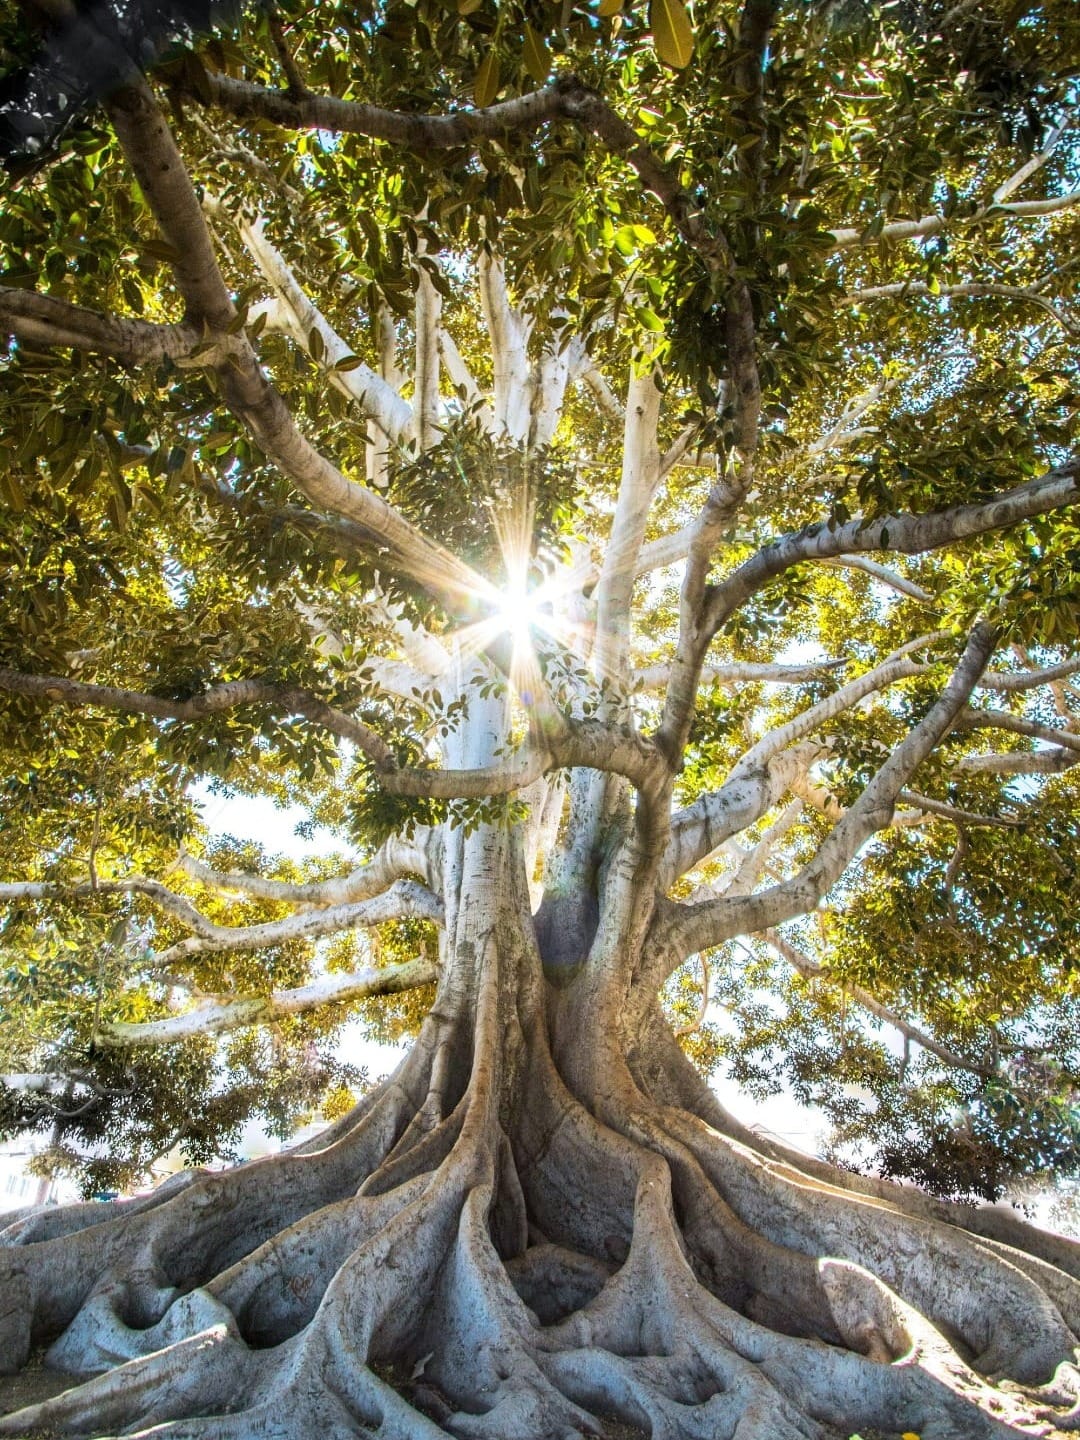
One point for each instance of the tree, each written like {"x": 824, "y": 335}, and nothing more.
{"x": 629, "y": 499}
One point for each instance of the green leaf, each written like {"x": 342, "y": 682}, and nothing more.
{"x": 610, "y": 7}
{"x": 133, "y": 295}
{"x": 315, "y": 344}
{"x": 12, "y": 490}
{"x": 537, "y": 59}
{"x": 347, "y": 362}
{"x": 486, "y": 84}
{"x": 673, "y": 35}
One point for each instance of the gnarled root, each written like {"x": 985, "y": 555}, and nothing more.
{"x": 484, "y": 1253}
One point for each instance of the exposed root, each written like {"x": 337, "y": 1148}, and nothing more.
{"x": 525, "y": 1263}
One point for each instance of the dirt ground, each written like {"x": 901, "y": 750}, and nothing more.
{"x": 32, "y": 1384}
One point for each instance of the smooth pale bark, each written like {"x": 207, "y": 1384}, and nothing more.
{"x": 426, "y": 311}
{"x": 928, "y": 225}
{"x": 376, "y": 396}
{"x": 707, "y": 924}
{"x": 211, "y": 1017}
{"x": 637, "y": 490}
{"x": 394, "y": 860}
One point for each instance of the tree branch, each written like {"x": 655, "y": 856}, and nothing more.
{"x": 900, "y": 583}
{"x": 394, "y": 860}
{"x": 60, "y": 691}
{"x": 953, "y": 813}
{"x": 160, "y": 171}
{"x": 562, "y": 744}
{"x": 895, "y": 667}
{"x": 670, "y": 549}
{"x": 177, "y": 906}
{"x": 637, "y": 488}
{"x": 596, "y": 383}
{"x": 509, "y": 333}
{"x": 404, "y": 899}
{"x": 975, "y": 719}
{"x": 902, "y": 534}
{"x": 1020, "y": 762}
{"x": 811, "y": 970}
{"x": 374, "y": 395}
{"x": 214, "y": 1016}
{"x": 1029, "y": 679}
{"x": 742, "y": 672}
{"x": 975, "y": 290}
{"x": 713, "y": 819}
{"x": 462, "y": 379}
{"x": 689, "y": 929}
{"x": 422, "y": 133}
{"x": 844, "y": 239}
{"x": 38, "y": 319}
{"x": 427, "y": 311}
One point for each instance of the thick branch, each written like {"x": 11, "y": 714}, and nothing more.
{"x": 1020, "y": 762}
{"x": 463, "y": 380}
{"x": 1029, "y": 679}
{"x": 637, "y": 487}
{"x": 768, "y": 769}
{"x": 376, "y": 398}
{"x": 37, "y": 319}
{"x": 741, "y": 801}
{"x": 214, "y": 1016}
{"x": 895, "y": 667}
{"x": 673, "y": 548}
{"x": 1001, "y": 720}
{"x": 427, "y": 312}
{"x": 570, "y": 745}
{"x": 404, "y": 899}
{"x": 902, "y": 534}
{"x": 596, "y": 383}
{"x": 177, "y": 906}
{"x": 508, "y": 331}
{"x": 247, "y": 391}
{"x": 701, "y": 926}
{"x": 394, "y": 860}
{"x": 743, "y": 672}
{"x": 151, "y": 151}
{"x": 414, "y": 132}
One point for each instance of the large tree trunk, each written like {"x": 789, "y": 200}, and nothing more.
{"x": 540, "y": 1226}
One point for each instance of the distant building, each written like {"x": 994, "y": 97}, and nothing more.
{"x": 18, "y": 1187}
